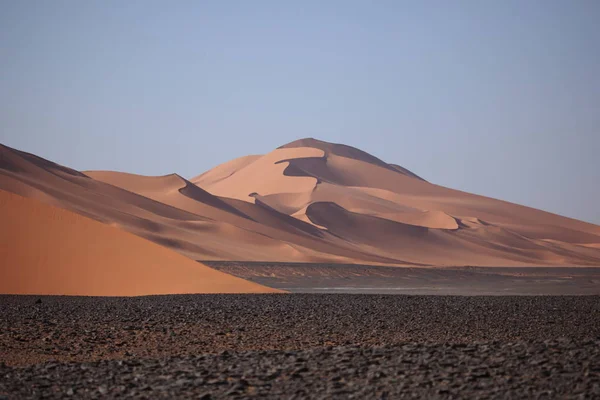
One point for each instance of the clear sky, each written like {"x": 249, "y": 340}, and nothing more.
{"x": 500, "y": 98}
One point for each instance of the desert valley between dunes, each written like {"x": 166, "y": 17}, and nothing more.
{"x": 309, "y": 201}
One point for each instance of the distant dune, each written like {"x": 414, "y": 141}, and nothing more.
{"x": 48, "y": 250}
{"x": 308, "y": 201}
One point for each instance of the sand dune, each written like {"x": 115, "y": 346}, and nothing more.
{"x": 310, "y": 201}
{"x": 48, "y": 250}
{"x": 476, "y": 229}
{"x": 181, "y": 216}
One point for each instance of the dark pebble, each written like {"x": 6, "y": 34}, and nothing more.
{"x": 300, "y": 346}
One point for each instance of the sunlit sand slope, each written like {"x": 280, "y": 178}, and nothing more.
{"x": 49, "y": 250}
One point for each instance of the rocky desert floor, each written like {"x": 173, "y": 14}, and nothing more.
{"x": 300, "y": 346}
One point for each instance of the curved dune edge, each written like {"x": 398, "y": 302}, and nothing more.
{"x": 49, "y": 250}
{"x": 346, "y": 151}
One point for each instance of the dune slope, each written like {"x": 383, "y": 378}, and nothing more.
{"x": 369, "y": 204}
{"x": 174, "y": 213}
{"x": 48, "y": 250}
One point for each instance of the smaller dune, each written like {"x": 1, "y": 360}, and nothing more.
{"x": 171, "y": 189}
{"x": 140, "y": 184}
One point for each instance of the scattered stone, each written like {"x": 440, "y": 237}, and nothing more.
{"x": 300, "y": 346}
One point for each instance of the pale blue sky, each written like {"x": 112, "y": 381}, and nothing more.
{"x": 500, "y": 98}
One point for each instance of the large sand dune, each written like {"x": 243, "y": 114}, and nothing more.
{"x": 310, "y": 201}
{"x": 49, "y": 250}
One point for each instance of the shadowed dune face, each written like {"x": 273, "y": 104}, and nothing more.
{"x": 310, "y": 201}
{"x": 48, "y": 250}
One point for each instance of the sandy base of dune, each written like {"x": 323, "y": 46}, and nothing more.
{"x": 300, "y": 346}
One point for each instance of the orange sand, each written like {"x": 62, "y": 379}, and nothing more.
{"x": 49, "y": 250}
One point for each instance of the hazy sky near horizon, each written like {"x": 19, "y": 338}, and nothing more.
{"x": 500, "y": 98}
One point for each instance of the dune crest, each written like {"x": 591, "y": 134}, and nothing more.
{"x": 343, "y": 150}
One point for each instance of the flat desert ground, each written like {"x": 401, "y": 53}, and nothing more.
{"x": 300, "y": 346}
{"x": 462, "y": 281}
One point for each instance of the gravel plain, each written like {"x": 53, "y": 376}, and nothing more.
{"x": 300, "y": 346}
